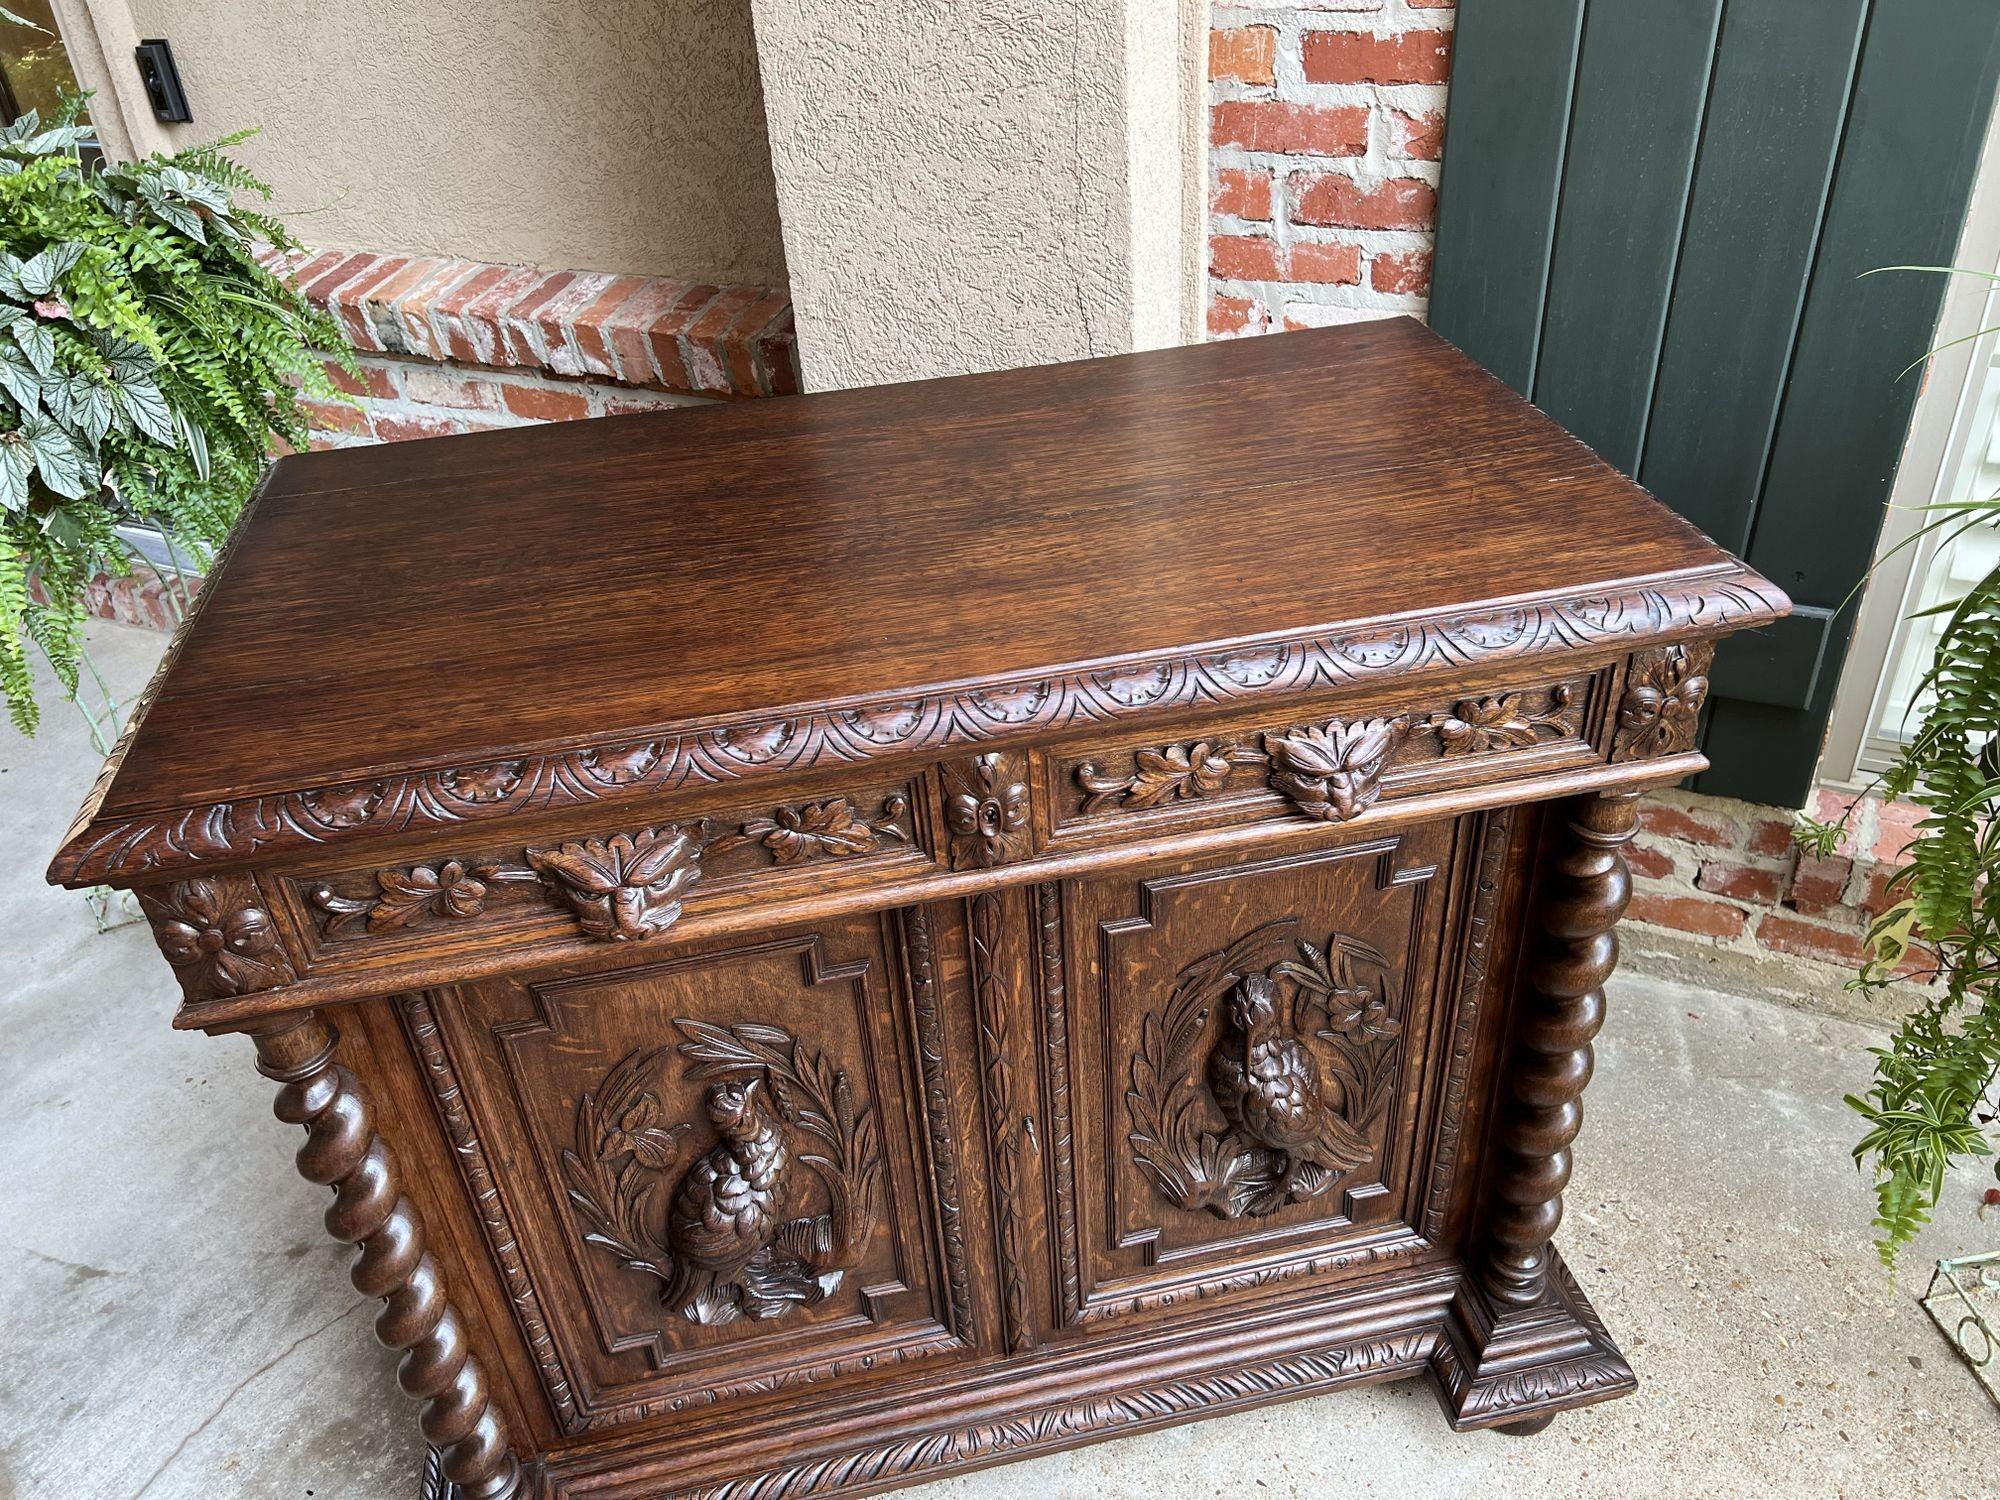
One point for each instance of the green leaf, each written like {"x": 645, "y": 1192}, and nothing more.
{"x": 148, "y": 409}
{"x": 82, "y": 405}
{"x": 17, "y": 462}
{"x": 19, "y": 380}
{"x": 196, "y": 442}
{"x": 37, "y": 343}
{"x": 39, "y": 275}
{"x": 61, "y": 466}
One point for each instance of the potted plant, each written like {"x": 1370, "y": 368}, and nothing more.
{"x": 1933, "y": 1100}
{"x": 148, "y": 365}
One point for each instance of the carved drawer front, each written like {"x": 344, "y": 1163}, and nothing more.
{"x": 1331, "y": 769}
{"x": 701, "y": 1175}
{"x": 1253, "y": 1055}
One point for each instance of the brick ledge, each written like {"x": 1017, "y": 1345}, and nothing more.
{"x": 687, "y": 337}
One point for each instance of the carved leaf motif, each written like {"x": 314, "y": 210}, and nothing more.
{"x": 1334, "y": 771}
{"x": 448, "y": 890}
{"x": 1477, "y": 725}
{"x": 1177, "y": 773}
{"x": 625, "y": 887}
{"x": 833, "y": 829}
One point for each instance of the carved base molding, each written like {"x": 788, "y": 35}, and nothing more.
{"x": 1518, "y": 1366}
{"x": 1486, "y": 1374}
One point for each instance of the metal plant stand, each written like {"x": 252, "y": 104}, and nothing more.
{"x": 1963, "y": 1299}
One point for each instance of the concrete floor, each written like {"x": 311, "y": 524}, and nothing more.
{"x": 174, "y": 1325}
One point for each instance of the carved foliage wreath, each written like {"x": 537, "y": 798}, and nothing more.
{"x": 1340, "y": 998}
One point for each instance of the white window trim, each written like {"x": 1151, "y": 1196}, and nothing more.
{"x": 1935, "y": 449}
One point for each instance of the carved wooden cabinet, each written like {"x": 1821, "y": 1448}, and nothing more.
{"x": 830, "y": 941}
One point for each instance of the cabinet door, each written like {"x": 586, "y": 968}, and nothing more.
{"x": 1256, "y": 1052}
{"x": 705, "y": 1178}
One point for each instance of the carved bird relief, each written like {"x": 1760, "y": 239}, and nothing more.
{"x": 1301, "y": 1068}
{"x": 1270, "y": 1091}
{"x": 725, "y": 1247}
{"x": 724, "y": 1221}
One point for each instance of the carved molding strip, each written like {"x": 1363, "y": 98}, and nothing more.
{"x": 1222, "y": 1285}
{"x": 1660, "y": 712}
{"x": 673, "y": 756}
{"x": 420, "y": 1023}
{"x": 1499, "y": 831}
{"x": 937, "y": 1114}
{"x": 1055, "y": 1039}
{"x": 1004, "y": 1121}
{"x": 1078, "y": 1419}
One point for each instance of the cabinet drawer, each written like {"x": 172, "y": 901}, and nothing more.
{"x": 704, "y": 1178}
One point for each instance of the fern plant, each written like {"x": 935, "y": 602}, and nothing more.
{"x": 147, "y": 362}
{"x": 1933, "y": 1101}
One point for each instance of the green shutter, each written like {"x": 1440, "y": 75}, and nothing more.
{"x": 1654, "y": 220}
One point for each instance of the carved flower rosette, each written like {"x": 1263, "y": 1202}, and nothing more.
{"x": 218, "y": 939}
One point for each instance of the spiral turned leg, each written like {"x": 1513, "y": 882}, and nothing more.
{"x": 1523, "y": 1342}
{"x": 1585, "y": 889}
{"x": 343, "y": 1152}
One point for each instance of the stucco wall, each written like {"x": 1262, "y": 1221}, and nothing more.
{"x": 623, "y": 135}
{"x": 971, "y": 185}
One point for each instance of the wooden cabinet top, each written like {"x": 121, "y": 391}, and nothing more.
{"x": 480, "y": 626}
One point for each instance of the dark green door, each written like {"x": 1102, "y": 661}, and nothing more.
{"x": 1654, "y": 222}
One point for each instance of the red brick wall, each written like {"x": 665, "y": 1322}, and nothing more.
{"x": 1326, "y": 125}
{"x": 456, "y": 346}
{"x": 1729, "y": 872}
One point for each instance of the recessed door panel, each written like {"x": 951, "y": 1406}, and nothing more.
{"x": 1252, "y": 1049}
{"x": 728, "y": 1192}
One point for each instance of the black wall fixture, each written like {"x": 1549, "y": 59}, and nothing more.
{"x": 163, "y": 81}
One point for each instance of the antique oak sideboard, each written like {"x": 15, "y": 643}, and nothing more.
{"x": 829, "y": 941}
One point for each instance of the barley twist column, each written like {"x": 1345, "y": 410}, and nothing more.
{"x": 1585, "y": 887}
{"x": 343, "y": 1152}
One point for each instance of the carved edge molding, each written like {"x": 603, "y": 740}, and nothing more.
{"x": 1497, "y": 837}
{"x": 673, "y": 756}
{"x": 1005, "y": 1125}
{"x": 937, "y": 1115}
{"x": 420, "y": 1024}
{"x": 1085, "y": 1416}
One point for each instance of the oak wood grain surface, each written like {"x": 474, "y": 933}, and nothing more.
{"x": 432, "y": 602}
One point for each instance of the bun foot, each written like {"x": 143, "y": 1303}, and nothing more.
{"x": 1528, "y": 1426}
